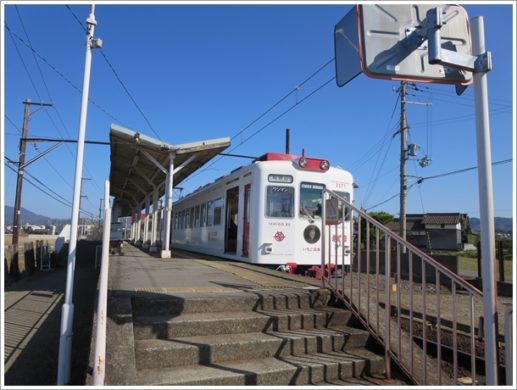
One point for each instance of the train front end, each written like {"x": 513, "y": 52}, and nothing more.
{"x": 290, "y": 211}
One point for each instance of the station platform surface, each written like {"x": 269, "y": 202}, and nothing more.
{"x": 191, "y": 274}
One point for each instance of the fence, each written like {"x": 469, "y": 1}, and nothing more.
{"x": 423, "y": 314}
{"x": 25, "y": 260}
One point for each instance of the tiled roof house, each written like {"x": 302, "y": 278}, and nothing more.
{"x": 435, "y": 231}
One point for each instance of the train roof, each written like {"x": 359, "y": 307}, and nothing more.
{"x": 313, "y": 164}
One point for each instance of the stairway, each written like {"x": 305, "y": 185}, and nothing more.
{"x": 260, "y": 337}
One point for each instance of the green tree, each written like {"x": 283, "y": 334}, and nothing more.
{"x": 380, "y": 216}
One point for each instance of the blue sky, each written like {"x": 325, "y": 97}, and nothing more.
{"x": 207, "y": 71}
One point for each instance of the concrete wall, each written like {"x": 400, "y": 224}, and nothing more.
{"x": 449, "y": 261}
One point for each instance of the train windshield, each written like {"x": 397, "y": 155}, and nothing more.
{"x": 310, "y": 200}
{"x": 280, "y": 202}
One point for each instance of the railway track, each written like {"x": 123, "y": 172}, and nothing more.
{"x": 470, "y": 369}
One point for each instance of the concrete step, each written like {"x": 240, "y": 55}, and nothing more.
{"x": 213, "y": 323}
{"x": 293, "y": 298}
{"x": 277, "y": 371}
{"x": 364, "y": 381}
{"x": 212, "y": 349}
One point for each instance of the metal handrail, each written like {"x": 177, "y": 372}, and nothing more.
{"x": 99, "y": 369}
{"x": 368, "y": 273}
{"x": 458, "y": 279}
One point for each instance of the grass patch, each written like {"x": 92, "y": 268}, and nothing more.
{"x": 469, "y": 264}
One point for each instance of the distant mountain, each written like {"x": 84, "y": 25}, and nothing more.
{"x": 28, "y": 216}
{"x": 501, "y": 224}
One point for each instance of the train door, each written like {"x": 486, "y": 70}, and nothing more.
{"x": 246, "y": 221}
{"x": 232, "y": 210}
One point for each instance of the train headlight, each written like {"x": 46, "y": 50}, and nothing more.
{"x": 302, "y": 162}
{"x": 325, "y": 165}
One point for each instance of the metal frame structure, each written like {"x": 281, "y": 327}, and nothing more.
{"x": 476, "y": 60}
{"x": 140, "y": 167}
{"x": 383, "y": 266}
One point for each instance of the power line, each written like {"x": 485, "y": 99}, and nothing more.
{"x": 435, "y": 91}
{"x": 283, "y": 98}
{"x": 461, "y": 118}
{"x": 56, "y": 197}
{"x": 29, "y": 76}
{"x": 265, "y": 126}
{"x": 33, "y": 55}
{"x": 390, "y": 198}
{"x": 12, "y": 123}
{"x": 76, "y": 17}
{"x": 376, "y": 176}
{"x": 421, "y": 179}
{"x": 129, "y": 94}
{"x": 462, "y": 170}
{"x": 29, "y": 45}
{"x": 112, "y": 68}
{"x": 60, "y": 74}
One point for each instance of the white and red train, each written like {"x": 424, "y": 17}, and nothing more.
{"x": 267, "y": 213}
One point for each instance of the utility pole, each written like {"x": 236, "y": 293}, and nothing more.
{"x": 21, "y": 167}
{"x": 403, "y": 158}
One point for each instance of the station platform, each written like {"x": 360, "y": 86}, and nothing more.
{"x": 195, "y": 321}
{"x": 190, "y": 274}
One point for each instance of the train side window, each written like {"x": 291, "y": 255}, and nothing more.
{"x": 210, "y": 213}
{"x": 218, "y": 211}
{"x": 187, "y": 218}
{"x": 196, "y": 223}
{"x": 203, "y": 214}
{"x": 182, "y": 219}
{"x": 191, "y": 224}
{"x": 310, "y": 200}
{"x": 280, "y": 202}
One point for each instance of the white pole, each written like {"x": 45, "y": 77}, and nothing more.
{"x": 146, "y": 219}
{"x": 486, "y": 206}
{"x": 166, "y": 253}
{"x": 67, "y": 313}
{"x": 99, "y": 369}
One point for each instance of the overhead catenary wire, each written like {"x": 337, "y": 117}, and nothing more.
{"x": 273, "y": 120}
{"x": 119, "y": 79}
{"x": 282, "y": 99}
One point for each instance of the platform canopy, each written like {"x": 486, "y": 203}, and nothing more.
{"x": 139, "y": 164}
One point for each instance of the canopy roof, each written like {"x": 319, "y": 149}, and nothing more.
{"x": 133, "y": 173}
